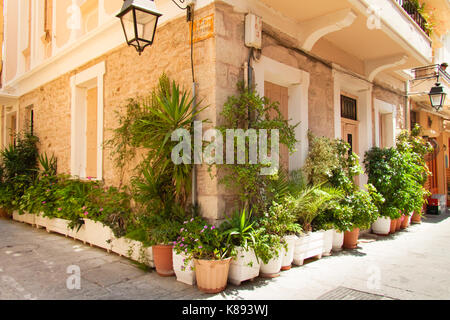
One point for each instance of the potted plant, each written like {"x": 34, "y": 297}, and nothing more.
{"x": 211, "y": 252}
{"x": 361, "y": 210}
{"x": 308, "y": 204}
{"x": 240, "y": 232}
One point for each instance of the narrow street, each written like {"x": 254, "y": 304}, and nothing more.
{"x": 412, "y": 264}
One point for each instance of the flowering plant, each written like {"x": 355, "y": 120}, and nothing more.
{"x": 199, "y": 240}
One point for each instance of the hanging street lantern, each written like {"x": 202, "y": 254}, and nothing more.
{"x": 437, "y": 96}
{"x": 139, "y": 19}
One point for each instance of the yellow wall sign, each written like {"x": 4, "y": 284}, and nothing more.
{"x": 203, "y": 28}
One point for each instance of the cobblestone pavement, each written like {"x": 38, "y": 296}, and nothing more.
{"x": 412, "y": 264}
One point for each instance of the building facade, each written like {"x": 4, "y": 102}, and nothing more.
{"x": 339, "y": 68}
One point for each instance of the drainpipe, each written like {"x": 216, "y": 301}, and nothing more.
{"x": 407, "y": 106}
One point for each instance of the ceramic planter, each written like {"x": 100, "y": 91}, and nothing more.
{"x": 245, "y": 266}
{"x": 405, "y": 222}
{"x": 416, "y": 218}
{"x": 307, "y": 246}
{"x": 273, "y": 267}
{"x": 351, "y": 239}
{"x": 382, "y": 226}
{"x": 162, "y": 257}
{"x": 212, "y": 275}
{"x": 98, "y": 235}
{"x": 338, "y": 240}
{"x": 184, "y": 273}
{"x": 393, "y": 226}
{"x": 288, "y": 257}
{"x": 3, "y": 213}
{"x": 328, "y": 242}
{"x": 58, "y": 226}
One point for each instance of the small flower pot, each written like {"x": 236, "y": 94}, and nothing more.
{"x": 405, "y": 222}
{"x": 185, "y": 272}
{"x": 162, "y": 257}
{"x": 351, "y": 239}
{"x": 382, "y": 226}
{"x": 288, "y": 257}
{"x": 212, "y": 275}
{"x": 416, "y": 218}
{"x": 338, "y": 240}
{"x": 273, "y": 267}
{"x": 393, "y": 226}
{"x": 399, "y": 224}
{"x": 245, "y": 266}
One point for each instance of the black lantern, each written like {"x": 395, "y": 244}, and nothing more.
{"x": 139, "y": 19}
{"x": 437, "y": 96}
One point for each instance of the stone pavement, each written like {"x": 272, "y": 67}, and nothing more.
{"x": 412, "y": 264}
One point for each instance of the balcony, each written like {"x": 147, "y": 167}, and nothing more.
{"x": 424, "y": 78}
{"x": 412, "y": 11}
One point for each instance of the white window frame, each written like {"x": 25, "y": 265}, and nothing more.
{"x": 297, "y": 81}
{"x": 80, "y": 83}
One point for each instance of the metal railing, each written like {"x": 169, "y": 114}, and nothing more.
{"x": 429, "y": 72}
{"x": 411, "y": 10}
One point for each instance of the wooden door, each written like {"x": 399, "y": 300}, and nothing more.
{"x": 349, "y": 129}
{"x": 276, "y": 93}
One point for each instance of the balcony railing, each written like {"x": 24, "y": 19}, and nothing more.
{"x": 430, "y": 72}
{"x": 411, "y": 10}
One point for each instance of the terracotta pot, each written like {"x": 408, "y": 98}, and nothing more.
{"x": 3, "y": 213}
{"x": 416, "y": 218}
{"x": 393, "y": 226}
{"x": 405, "y": 222}
{"x": 351, "y": 239}
{"x": 163, "y": 259}
{"x": 212, "y": 275}
{"x": 399, "y": 224}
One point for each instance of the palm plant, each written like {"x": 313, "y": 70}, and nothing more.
{"x": 311, "y": 201}
{"x": 239, "y": 229}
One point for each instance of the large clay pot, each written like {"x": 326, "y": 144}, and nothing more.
{"x": 406, "y": 221}
{"x": 416, "y": 218}
{"x": 212, "y": 275}
{"x": 163, "y": 259}
{"x": 399, "y": 224}
{"x": 4, "y": 213}
{"x": 351, "y": 239}
{"x": 382, "y": 226}
{"x": 393, "y": 226}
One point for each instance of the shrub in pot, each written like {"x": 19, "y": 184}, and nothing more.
{"x": 240, "y": 232}
{"x": 357, "y": 211}
{"x": 211, "y": 252}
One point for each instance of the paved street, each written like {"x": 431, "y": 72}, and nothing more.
{"x": 412, "y": 264}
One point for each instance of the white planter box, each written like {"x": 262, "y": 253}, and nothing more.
{"x": 308, "y": 246}
{"x": 288, "y": 257}
{"x": 78, "y": 234}
{"x": 382, "y": 226}
{"x": 338, "y": 240}
{"x": 273, "y": 267}
{"x": 124, "y": 247}
{"x": 98, "y": 235}
{"x": 328, "y": 242}
{"x": 245, "y": 266}
{"x": 184, "y": 273}
{"x": 58, "y": 225}
{"x": 25, "y": 218}
{"x": 41, "y": 221}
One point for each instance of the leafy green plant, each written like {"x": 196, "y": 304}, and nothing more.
{"x": 248, "y": 110}
{"x": 239, "y": 229}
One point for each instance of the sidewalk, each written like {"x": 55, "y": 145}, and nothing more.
{"x": 412, "y": 264}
